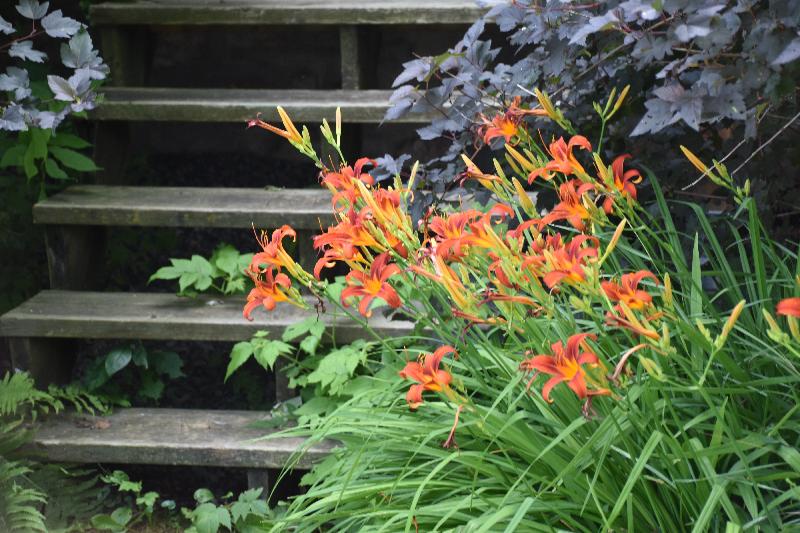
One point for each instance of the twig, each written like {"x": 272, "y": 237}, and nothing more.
{"x": 727, "y": 156}
{"x": 761, "y": 147}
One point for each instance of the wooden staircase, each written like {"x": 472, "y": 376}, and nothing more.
{"x": 40, "y": 331}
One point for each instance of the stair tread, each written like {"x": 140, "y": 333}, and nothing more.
{"x": 170, "y": 437}
{"x": 240, "y": 105}
{"x": 172, "y": 12}
{"x": 217, "y": 207}
{"x": 136, "y": 315}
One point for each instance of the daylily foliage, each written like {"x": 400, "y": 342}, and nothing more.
{"x": 565, "y": 311}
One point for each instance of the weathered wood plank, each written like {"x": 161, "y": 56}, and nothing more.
{"x": 313, "y": 12}
{"x": 111, "y": 315}
{"x": 218, "y": 207}
{"x": 148, "y": 104}
{"x": 170, "y": 437}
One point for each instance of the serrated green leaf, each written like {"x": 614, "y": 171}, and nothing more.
{"x": 336, "y": 368}
{"x": 187, "y": 280}
{"x": 169, "y": 364}
{"x": 203, "y": 495}
{"x": 240, "y": 353}
{"x": 205, "y": 518}
{"x": 266, "y": 353}
{"x": 151, "y": 387}
{"x": 166, "y": 273}
{"x": 224, "y": 517}
{"x": 203, "y": 283}
{"x": 201, "y": 265}
{"x": 317, "y": 329}
{"x": 309, "y": 344}
{"x": 295, "y": 330}
{"x": 226, "y": 258}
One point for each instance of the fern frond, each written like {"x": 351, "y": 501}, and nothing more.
{"x": 16, "y": 390}
{"x": 19, "y": 504}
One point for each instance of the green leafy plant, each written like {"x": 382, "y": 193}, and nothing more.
{"x": 246, "y": 513}
{"x": 123, "y": 517}
{"x": 131, "y": 371}
{"x": 36, "y": 497}
{"x": 581, "y": 365}
{"x": 223, "y": 272}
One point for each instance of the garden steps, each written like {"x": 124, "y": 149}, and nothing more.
{"x": 207, "y": 207}
{"x": 42, "y": 330}
{"x": 283, "y": 12}
{"x": 161, "y": 104}
{"x": 160, "y": 316}
{"x": 191, "y": 437}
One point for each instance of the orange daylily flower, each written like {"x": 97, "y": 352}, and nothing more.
{"x": 290, "y": 132}
{"x": 563, "y": 159}
{"x": 624, "y": 182}
{"x": 453, "y": 237}
{"x": 497, "y": 267}
{"x": 571, "y": 207}
{"x": 507, "y": 124}
{"x": 428, "y": 375}
{"x": 372, "y": 285}
{"x": 501, "y": 125}
{"x": 343, "y": 183}
{"x": 566, "y": 364}
{"x": 628, "y": 290}
{"x": 273, "y": 254}
{"x": 789, "y": 307}
{"x": 342, "y": 241}
{"x": 558, "y": 262}
{"x": 450, "y": 233}
{"x": 267, "y": 291}
{"x": 473, "y": 172}
{"x": 483, "y": 235}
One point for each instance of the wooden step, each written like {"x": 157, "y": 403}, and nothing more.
{"x": 149, "y": 104}
{"x": 217, "y": 207}
{"x": 249, "y": 12}
{"x": 170, "y": 437}
{"x": 114, "y": 315}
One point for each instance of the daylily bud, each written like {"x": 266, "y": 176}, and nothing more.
{"x": 619, "y": 101}
{"x": 614, "y": 240}
{"x": 667, "y": 295}
{"x": 694, "y": 160}
{"x": 703, "y": 329}
{"x": 775, "y": 332}
{"x": 524, "y": 200}
{"x": 652, "y": 368}
{"x": 728, "y": 327}
{"x": 526, "y": 165}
